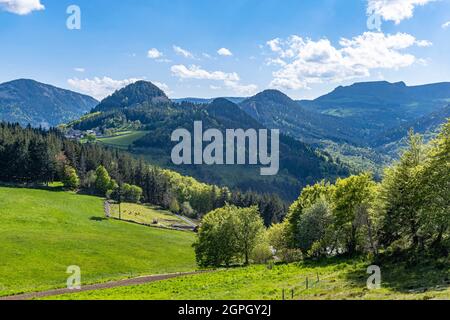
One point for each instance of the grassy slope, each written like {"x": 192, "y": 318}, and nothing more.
{"x": 146, "y": 215}
{"x": 340, "y": 279}
{"x": 44, "y": 232}
{"x": 122, "y": 140}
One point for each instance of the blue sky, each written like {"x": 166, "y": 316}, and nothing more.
{"x": 304, "y": 48}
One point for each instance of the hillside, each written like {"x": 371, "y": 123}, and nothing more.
{"x": 276, "y": 110}
{"x": 300, "y": 164}
{"x": 376, "y": 107}
{"x": 44, "y": 231}
{"x": 362, "y": 125}
{"x": 427, "y": 125}
{"x": 30, "y": 102}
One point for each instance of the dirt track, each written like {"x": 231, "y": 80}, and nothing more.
{"x": 106, "y": 285}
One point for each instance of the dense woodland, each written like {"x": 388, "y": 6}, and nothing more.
{"x": 34, "y": 156}
{"x": 407, "y": 214}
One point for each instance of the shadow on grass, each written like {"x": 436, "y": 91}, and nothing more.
{"x": 98, "y": 219}
{"x": 406, "y": 274}
{"x": 51, "y": 187}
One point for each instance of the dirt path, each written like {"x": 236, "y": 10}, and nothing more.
{"x": 189, "y": 222}
{"x": 107, "y": 285}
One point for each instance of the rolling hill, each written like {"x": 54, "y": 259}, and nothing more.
{"x": 31, "y": 102}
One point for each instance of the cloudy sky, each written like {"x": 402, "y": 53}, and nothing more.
{"x": 204, "y": 48}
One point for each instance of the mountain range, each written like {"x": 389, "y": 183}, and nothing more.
{"x": 31, "y": 102}
{"x": 300, "y": 164}
{"x": 353, "y": 128}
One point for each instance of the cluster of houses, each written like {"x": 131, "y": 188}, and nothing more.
{"x": 79, "y": 134}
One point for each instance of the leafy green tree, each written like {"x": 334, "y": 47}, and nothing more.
{"x": 314, "y": 226}
{"x": 131, "y": 193}
{"x": 308, "y": 197}
{"x": 279, "y": 236}
{"x": 436, "y": 190}
{"x": 351, "y": 199}
{"x": 70, "y": 178}
{"x": 103, "y": 180}
{"x": 249, "y": 228}
{"x": 227, "y": 235}
{"x": 217, "y": 243}
{"x": 403, "y": 197}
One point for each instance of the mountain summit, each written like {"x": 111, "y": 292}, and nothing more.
{"x": 31, "y": 102}
{"x": 139, "y": 92}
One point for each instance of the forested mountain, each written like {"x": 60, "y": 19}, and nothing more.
{"x": 428, "y": 124}
{"x": 30, "y": 102}
{"x": 364, "y": 125}
{"x": 138, "y": 92}
{"x": 299, "y": 163}
{"x": 274, "y": 109}
{"x": 376, "y": 107}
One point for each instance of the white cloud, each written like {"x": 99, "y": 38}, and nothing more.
{"x": 276, "y": 62}
{"x": 164, "y": 87}
{"x": 154, "y": 53}
{"x": 182, "y": 52}
{"x": 196, "y": 72}
{"x": 394, "y": 10}
{"x": 424, "y": 43}
{"x": 446, "y": 25}
{"x": 230, "y": 80}
{"x": 79, "y": 69}
{"x": 224, "y": 52}
{"x": 246, "y": 90}
{"x": 99, "y": 88}
{"x": 307, "y": 62}
{"x": 21, "y": 7}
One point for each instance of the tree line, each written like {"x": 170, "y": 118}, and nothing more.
{"x": 408, "y": 212}
{"x": 36, "y": 156}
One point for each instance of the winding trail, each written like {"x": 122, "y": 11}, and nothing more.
{"x": 106, "y": 285}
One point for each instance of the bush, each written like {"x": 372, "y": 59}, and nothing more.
{"x": 290, "y": 255}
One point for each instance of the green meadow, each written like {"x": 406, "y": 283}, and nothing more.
{"x": 338, "y": 279}
{"x": 122, "y": 140}
{"x": 42, "y": 232}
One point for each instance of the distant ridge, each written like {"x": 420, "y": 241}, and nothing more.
{"x": 30, "y": 102}
{"x": 207, "y": 100}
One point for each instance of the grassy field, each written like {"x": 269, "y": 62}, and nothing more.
{"x": 338, "y": 280}
{"x": 148, "y": 215}
{"x": 122, "y": 139}
{"x": 43, "y": 232}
